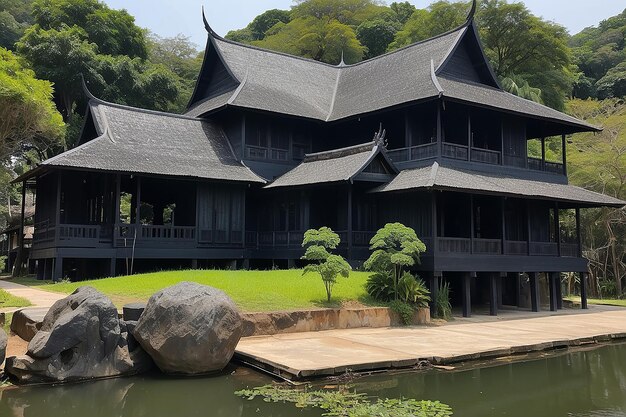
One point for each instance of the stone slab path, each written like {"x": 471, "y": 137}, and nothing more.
{"x": 38, "y": 298}
{"x": 333, "y": 352}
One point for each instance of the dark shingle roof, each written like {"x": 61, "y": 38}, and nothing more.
{"x": 444, "y": 178}
{"x": 327, "y": 167}
{"x": 144, "y": 141}
{"x": 286, "y": 84}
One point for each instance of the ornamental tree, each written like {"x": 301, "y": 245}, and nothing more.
{"x": 396, "y": 248}
{"x": 318, "y": 244}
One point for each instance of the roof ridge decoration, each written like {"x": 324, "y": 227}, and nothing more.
{"x": 433, "y": 76}
{"x": 340, "y": 152}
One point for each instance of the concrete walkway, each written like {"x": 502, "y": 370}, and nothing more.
{"x": 333, "y": 352}
{"x": 38, "y": 298}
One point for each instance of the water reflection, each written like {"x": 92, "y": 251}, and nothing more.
{"x": 585, "y": 383}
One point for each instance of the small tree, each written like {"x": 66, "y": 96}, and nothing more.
{"x": 395, "y": 247}
{"x": 318, "y": 244}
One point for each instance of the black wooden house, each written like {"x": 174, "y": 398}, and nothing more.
{"x": 273, "y": 144}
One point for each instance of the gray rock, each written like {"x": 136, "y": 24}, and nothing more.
{"x": 189, "y": 329}
{"x": 27, "y": 322}
{"x": 81, "y": 337}
{"x": 132, "y": 311}
{"x": 3, "y": 345}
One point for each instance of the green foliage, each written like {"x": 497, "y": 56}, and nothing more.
{"x": 28, "y": 117}
{"x": 380, "y": 286}
{"x": 598, "y": 51}
{"x": 404, "y": 310}
{"x": 318, "y": 244}
{"x": 376, "y": 35}
{"x": 443, "y": 307}
{"x": 9, "y": 300}
{"x": 395, "y": 247}
{"x": 343, "y": 402}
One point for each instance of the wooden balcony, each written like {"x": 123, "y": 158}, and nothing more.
{"x": 450, "y": 245}
{"x": 538, "y": 164}
{"x": 413, "y": 153}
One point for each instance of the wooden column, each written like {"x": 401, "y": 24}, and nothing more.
{"x": 19, "y": 257}
{"x": 559, "y": 293}
{"x": 469, "y": 137}
{"x": 557, "y": 228}
{"x": 472, "y": 226}
{"x": 439, "y": 130}
{"x": 57, "y": 214}
{"x": 57, "y": 274}
{"x": 467, "y": 296}
{"x": 553, "y": 291}
{"x": 113, "y": 267}
{"x": 564, "y": 154}
{"x": 434, "y": 222}
{"x": 583, "y": 291}
{"x": 501, "y": 142}
{"x": 138, "y": 203}
{"x": 502, "y": 213}
{"x": 434, "y": 292}
{"x": 534, "y": 292}
{"x": 528, "y": 226}
{"x": 493, "y": 293}
{"x": 349, "y": 222}
{"x": 543, "y": 154}
{"x": 579, "y": 237}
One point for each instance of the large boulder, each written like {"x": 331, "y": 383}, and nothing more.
{"x": 81, "y": 337}
{"x": 3, "y": 345}
{"x": 189, "y": 329}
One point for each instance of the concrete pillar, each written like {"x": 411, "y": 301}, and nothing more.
{"x": 467, "y": 296}
{"x": 493, "y": 294}
{"x": 583, "y": 291}
{"x": 534, "y": 292}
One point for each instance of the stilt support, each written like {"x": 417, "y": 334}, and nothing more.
{"x": 493, "y": 294}
{"x": 534, "y": 292}
{"x": 467, "y": 296}
{"x": 583, "y": 291}
{"x": 434, "y": 292}
{"x": 553, "y": 291}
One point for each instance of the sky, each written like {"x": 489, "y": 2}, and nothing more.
{"x": 168, "y": 18}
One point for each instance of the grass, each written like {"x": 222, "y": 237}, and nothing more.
{"x": 251, "y": 290}
{"x": 8, "y": 300}
{"x": 603, "y": 301}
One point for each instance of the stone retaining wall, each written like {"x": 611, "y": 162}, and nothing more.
{"x": 258, "y": 324}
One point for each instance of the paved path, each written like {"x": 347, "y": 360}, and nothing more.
{"x": 38, "y": 298}
{"x": 333, "y": 352}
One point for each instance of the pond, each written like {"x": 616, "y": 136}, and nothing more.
{"x": 581, "y": 383}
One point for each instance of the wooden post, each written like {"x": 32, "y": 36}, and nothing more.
{"x": 57, "y": 215}
{"x": 467, "y": 296}
{"x": 434, "y": 292}
{"x": 543, "y": 154}
{"x": 138, "y": 204}
{"x": 439, "y": 130}
{"x": 557, "y": 228}
{"x": 469, "y": 137}
{"x": 57, "y": 274}
{"x": 528, "y": 226}
{"x": 113, "y": 267}
{"x": 553, "y": 291}
{"x": 472, "y": 226}
{"x": 434, "y": 221}
{"x": 534, "y": 292}
{"x": 579, "y": 238}
{"x": 502, "y": 211}
{"x": 349, "y": 222}
{"x": 559, "y": 292}
{"x": 493, "y": 293}
{"x": 19, "y": 257}
{"x": 501, "y": 142}
{"x": 564, "y": 154}
{"x": 583, "y": 290}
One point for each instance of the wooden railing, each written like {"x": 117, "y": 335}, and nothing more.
{"x": 544, "y": 248}
{"x": 294, "y": 238}
{"x": 570, "y": 250}
{"x": 453, "y": 245}
{"x": 487, "y": 246}
{"x": 260, "y": 152}
{"x": 486, "y": 156}
{"x": 453, "y": 151}
{"x": 538, "y": 164}
{"x": 413, "y": 153}
{"x": 44, "y": 232}
{"x": 515, "y": 247}
{"x": 514, "y": 161}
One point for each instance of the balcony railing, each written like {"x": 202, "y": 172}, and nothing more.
{"x": 413, "y": 153}
{"x": 453, "y": 151}
{"x": 293, "y": 239}
{"x": 537, "y": 164}
{"x": 259, "y": 152}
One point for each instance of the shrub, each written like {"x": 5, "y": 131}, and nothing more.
{"x": 443, "y": 308}
{"x": 404, "y": 310}
{"x": 318, "y": 244}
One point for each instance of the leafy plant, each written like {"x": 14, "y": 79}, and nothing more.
{"x": 380, "y": 286}
{"x": 318, "y": 244}
{"x": 342, "y": 402}
{"x": 404, "y": 310}
{"x": 443, "y": 308}
{"x": 395, "y": 247}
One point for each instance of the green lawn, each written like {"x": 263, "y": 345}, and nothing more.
{"x": 8, "y": 300}
{"x": 251, "y": 290}
{"x": 604, "y": 301}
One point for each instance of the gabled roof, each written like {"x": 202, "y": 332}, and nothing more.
{"x": 443, "y": 178}
{"x": 285, "y": 84}
{"x": 143, "y": 141}
{"x": 339, "y": 165}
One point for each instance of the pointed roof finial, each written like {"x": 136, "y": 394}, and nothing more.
{"x": 206, "y": 23}
{"x": 472, "y": 12}
{"x": 342, "y": 63}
